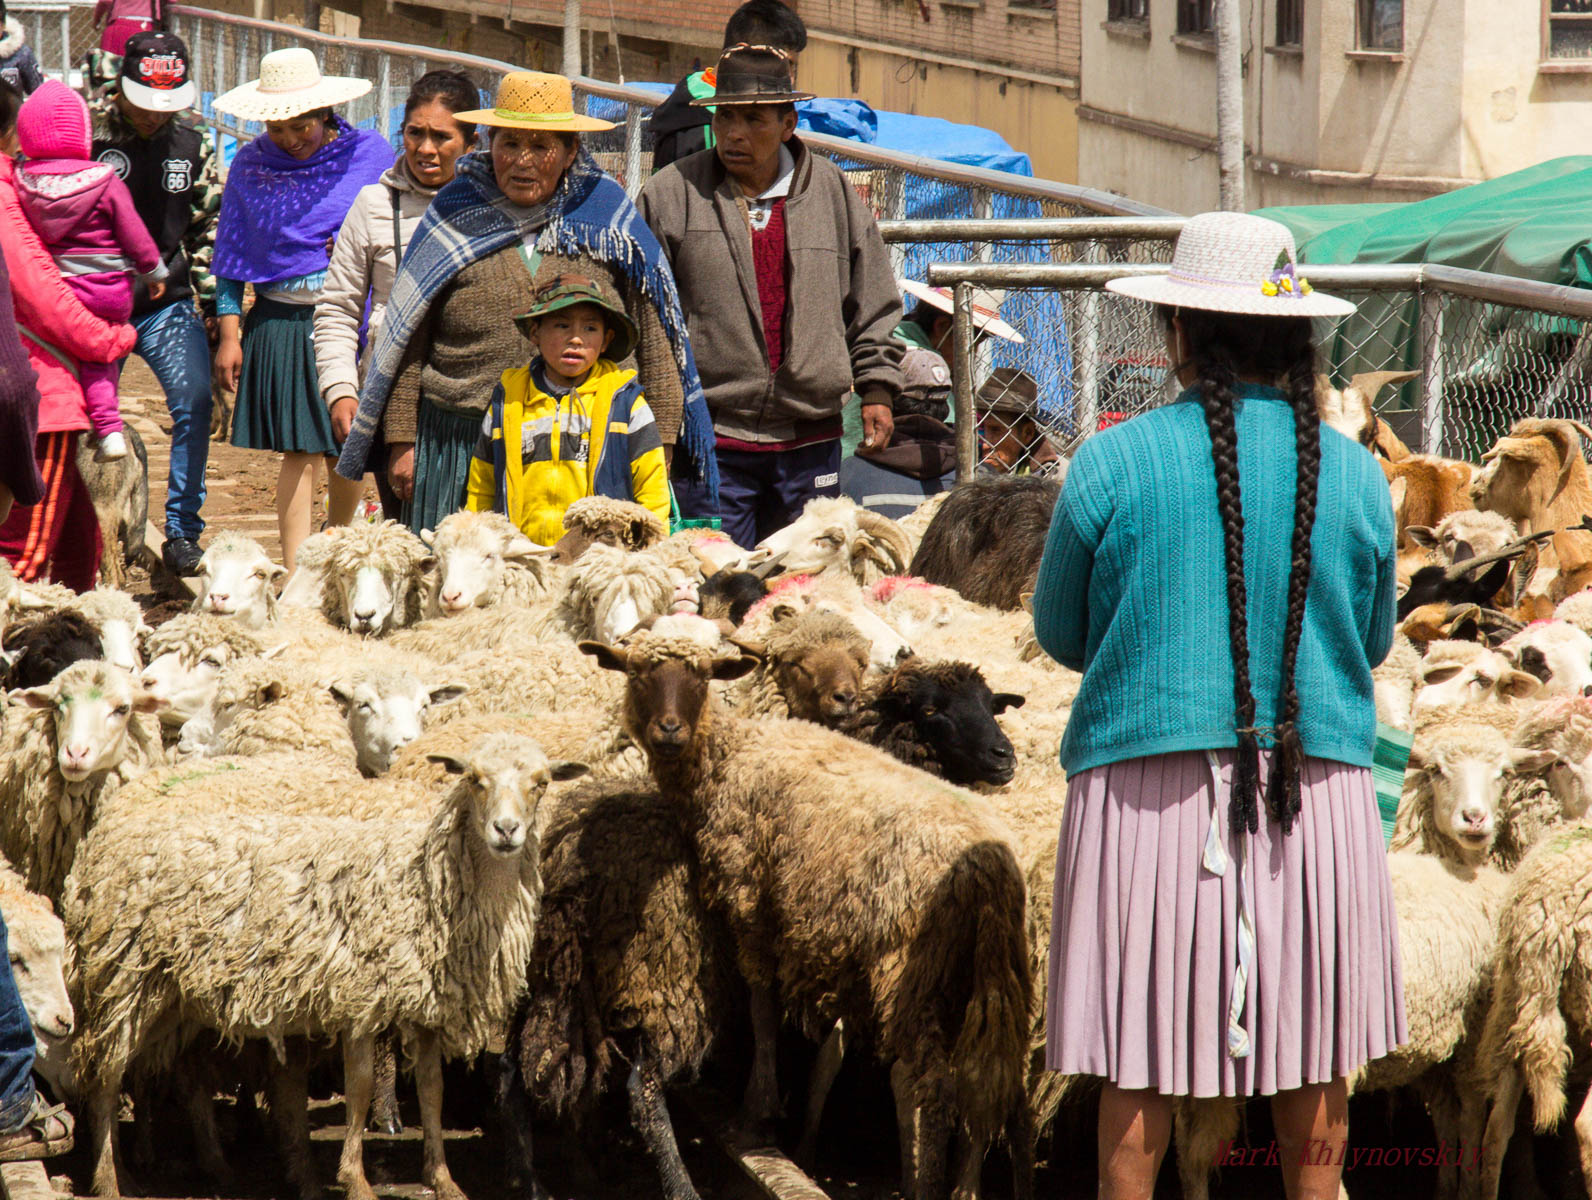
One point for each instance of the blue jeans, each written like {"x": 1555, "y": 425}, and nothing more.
{"x": 172, "y": 341}
{"x": 762, "y": 491}
{"x": 16, "y": 1048}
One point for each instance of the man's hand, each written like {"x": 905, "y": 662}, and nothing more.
{"x": 229, "y": 362}
{"x": 401, "y": 469}
{"x": 878, "y": 424}
{"x": 343, "y": 410}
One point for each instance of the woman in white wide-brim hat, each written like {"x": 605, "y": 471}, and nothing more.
{"x": 1222, "y": 571}
{"x": 286, "y": 196}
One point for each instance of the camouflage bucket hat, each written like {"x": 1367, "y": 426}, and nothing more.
{"x": 569, "y": 290}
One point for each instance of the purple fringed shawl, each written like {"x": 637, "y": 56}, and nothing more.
{"x": 278, "y": 212}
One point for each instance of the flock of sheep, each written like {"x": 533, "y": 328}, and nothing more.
{"x": 590, "y": 806}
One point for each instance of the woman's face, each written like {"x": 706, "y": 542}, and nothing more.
{"x": 433, "y": 142}
{"x": 528, "y": 163}
{"x": 299, "y": 136}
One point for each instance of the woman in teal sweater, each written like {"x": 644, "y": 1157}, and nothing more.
{"x": 1222, "y": 572}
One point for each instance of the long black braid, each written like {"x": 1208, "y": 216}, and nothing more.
{"x": 1223, "y": 347}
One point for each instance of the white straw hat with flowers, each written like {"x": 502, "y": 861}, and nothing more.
{"x": 986, "y": 306}
{"x": 290, "y": 85}
{"x": 534, "y": 100}
{"x": 1234, "y": 263}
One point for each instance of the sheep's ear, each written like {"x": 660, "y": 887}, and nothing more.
{"x": 1529, "y": 761}
{"x": 274, "y": 651}
{"x": 343, "y": 694}
{"x": 425, "y": 562}
{"x": 607, "y": 656}
{"x": 1422, "y": 535}
{"x": 640, "y": 534}
{"x": 756, "y": 649}
{"x": 145, "y": 703}
{"x": 450, "y": 763}
{"x": 563, "y": 769}
{"x": 445, "y": 692}
{"x": 1026, "y": 599}
{"x": 1417, "y": 760}
{"x": 278, "y": 570}
{"x": 39, "y": 697}
{"x": 1518, "y": 685}
{"x": 428, "y": 536}
{"x": 725, "y": 669}
{"x": 1398, "y": 488}
{"x": 1001, "y": 701}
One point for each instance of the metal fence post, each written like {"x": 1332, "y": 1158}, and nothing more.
{"x": 962, "y": 383}
{"x": 1431, "y": 318}
{"x": 1086, "y": 363}
{"x": 895, "y": 209}
{"x": 633, "y": 179}
{"x": 66, "y": 46}
{"x": 384, "y": 94}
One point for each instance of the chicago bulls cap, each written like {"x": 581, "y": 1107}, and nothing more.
{"x": 155, "y": 73}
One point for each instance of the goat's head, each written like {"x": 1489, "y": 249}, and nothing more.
{"x": 666, "y": 688}
{"x": 474, "y": 552}
{"x": 235, "y": 580}
{"x": 503, "y": 777}
{"x": 92, "y": 706}
{"x": 386, "y": 710}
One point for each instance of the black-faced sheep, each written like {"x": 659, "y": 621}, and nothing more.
{"x": 36, "y": 651}
{"x": 802, "y": 837}
{"x": 339, "y": 927}
{"x": 939, "y": 716}
{"x": 987, "y": 538}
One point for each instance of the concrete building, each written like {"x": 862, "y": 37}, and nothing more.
{"x": 1345, "y": 100}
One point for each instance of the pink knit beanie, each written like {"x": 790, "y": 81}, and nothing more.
{"x": 53, "y": 123}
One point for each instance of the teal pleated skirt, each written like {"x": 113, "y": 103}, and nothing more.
{"x": 279, "y": 405}
{"x": 444, "y": 442}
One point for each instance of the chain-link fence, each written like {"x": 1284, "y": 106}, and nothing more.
{"x": 59, "y": 33}
{"x": 1487, "y": 350}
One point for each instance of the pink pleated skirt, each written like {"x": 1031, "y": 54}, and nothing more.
{"x": 1149, "y": 932}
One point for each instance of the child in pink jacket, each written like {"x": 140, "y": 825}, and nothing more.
{"x": 84, "y": 215}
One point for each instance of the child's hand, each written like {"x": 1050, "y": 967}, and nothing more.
{"x": 157, "y": 289}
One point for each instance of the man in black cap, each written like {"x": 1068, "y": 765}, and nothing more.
{"x": 789, "y": 298}
{"x": 920, "y": 460}
{"x": 168, "y": 166}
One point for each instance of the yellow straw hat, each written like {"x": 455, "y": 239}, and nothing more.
{"x": 534, "y": 100}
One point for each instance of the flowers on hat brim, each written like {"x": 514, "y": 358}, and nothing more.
{"x": 1285, "y": 281}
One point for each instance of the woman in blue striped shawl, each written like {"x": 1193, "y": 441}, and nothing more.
{"x": 534, "y": 206}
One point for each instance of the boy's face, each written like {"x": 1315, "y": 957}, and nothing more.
{"x": 571, "y": 339}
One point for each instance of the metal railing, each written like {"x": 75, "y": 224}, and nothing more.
{"x": 59, "y": 32}
{"x": 1488, "y": 349}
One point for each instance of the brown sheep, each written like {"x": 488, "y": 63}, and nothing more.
{"x": 864, "y": 890}
{"x": 813, "y": 668}
{"x": 617, "y": 523}
{"x": 986, "y": 540}
{"x": 1536, "y": 477}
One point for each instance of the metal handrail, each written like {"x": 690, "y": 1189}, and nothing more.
{"x": 1038, "y": 229}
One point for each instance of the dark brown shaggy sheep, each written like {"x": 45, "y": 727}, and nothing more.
{"x": 630, "y": 978}
{"x": 987, "y": 539}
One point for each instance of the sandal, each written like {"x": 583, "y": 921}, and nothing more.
{"x": 46, "y": 1133}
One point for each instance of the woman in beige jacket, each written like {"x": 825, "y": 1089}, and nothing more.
{"x": 370, "y": 246}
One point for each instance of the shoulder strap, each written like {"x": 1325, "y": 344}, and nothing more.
{"x": 397, "y": 229}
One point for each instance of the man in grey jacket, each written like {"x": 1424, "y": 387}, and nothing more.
{"x": 788, "y": 296}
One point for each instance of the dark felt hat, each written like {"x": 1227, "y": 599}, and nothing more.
{"x": 1008, "y": 392}
{"x": 752, "y": 75}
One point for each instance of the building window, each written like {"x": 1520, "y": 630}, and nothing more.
{"x": 1290, "y": 22}
{"x": 1381, "y": 24}
{"x": 1195, "y": 16}
{"x": 1127, "y": 10}
{"x": 1567, "y": 29}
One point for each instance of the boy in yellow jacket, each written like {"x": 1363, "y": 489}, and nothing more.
{"x": 569, "y": 423}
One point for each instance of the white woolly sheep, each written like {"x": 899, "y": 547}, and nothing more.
{"x": 818, "y": 852}
{"x": 306, "y": 586}
{"x": 1576, "y": 609}
{"x": 1453, "y": 674}
{"x": 1393, "y": 684}
{"x": 1464, "y": 534}
{"x": 120, "y": 622}
{"x": 1557, "y": 653}
{"x": 235, "y": 578}
{"x": 622, "y": 524}
{"x": 835, "y": 535}
{"x": 1542, "y": 998}
{"x": 916, "y": 523}
{"x": 484, "y": 559}
{"x": 609, "y": 592}
{"x": 374, "y": 578}
{"x": 37, "y": 941}
{"x": 186, "y": 657}
{"x": 362, "y": 715}
{"x": 1560, "y": 790}
{"x": 421, "y": 923}
{"x": 1454, "y": 783}
{"x": 71, "y": 743}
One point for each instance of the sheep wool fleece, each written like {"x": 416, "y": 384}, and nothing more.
{"x": 1132, "y": 588}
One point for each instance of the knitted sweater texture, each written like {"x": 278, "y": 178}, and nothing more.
{"x": 1132, "y": 588}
